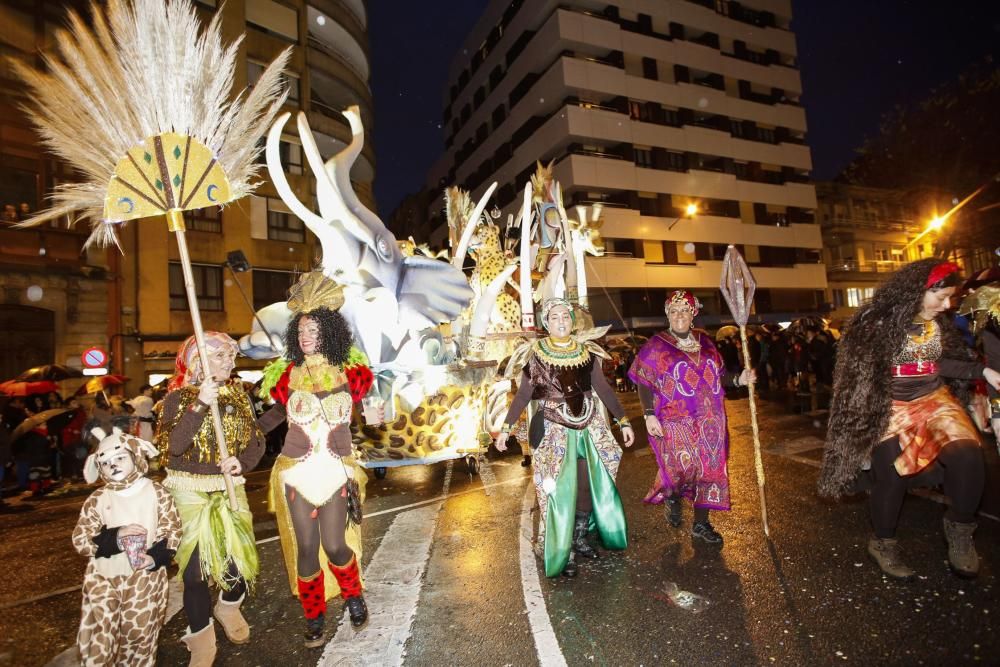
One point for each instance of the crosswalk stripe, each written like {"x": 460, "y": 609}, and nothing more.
{"x": 546, "y": 644}
{"x": 393, "y": 581}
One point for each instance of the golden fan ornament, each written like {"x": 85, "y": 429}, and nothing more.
{"x": 138, "y": 100}
{"x": 314, "y": 290}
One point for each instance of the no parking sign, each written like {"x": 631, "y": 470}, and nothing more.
{"x": 95, "y": 361}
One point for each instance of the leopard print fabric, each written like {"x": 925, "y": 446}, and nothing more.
{"x": 490, "y": 263}
{"x": 121, "y": 616}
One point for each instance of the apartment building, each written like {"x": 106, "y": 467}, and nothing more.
{"x": 647, "y": 106}
{"x": 139, "y": 308}
{"x": 868, "y": 233}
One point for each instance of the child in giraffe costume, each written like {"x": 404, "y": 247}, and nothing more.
{"x": 129, "y": 529}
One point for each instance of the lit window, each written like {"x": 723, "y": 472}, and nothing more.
{"x": 853, "y": 297}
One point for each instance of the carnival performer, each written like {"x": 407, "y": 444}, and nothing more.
{"x": 680, "y": 378}
{"x": 892, "y": 412}
{"x": 218, "y": 542}
{"x": 576, "y": 463}
{"x": 129, "y": 529}
{"x": 315, "y": 481}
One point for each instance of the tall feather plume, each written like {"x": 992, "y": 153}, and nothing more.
{"x": 458, "y": 209}
{"x": 142, "y": 68}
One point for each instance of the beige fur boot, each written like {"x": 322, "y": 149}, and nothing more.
{"x": 232, "y": 621}
{"x": 202, "y": 645}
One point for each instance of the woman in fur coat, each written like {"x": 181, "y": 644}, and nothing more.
{"x": 894, "y": 412}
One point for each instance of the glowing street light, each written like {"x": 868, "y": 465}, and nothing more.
{"x": 690, "y": 211}
{"x": 936, "y": 223}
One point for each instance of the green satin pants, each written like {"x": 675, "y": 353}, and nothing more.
{"x": 608, "y": 514}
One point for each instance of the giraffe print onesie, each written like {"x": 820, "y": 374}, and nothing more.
{"x": 123, "y": 608}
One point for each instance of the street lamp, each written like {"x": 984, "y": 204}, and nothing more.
{"x": 936, "y": 223}
{"x": 690, "y": 211}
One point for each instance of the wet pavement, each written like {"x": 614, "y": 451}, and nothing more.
{"x": 451, "y": 581}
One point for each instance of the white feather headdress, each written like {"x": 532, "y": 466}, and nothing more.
{"x": 145, "y": 68}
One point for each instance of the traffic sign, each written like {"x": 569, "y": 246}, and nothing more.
{"x": 95, "y": 357}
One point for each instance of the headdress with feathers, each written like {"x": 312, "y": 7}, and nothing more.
{"x": 144, "y": 68}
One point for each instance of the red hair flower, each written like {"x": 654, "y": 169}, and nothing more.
{"x": 940, "y": 272}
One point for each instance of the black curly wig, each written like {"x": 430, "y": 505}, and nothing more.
{"x": 335, "y": 338}
{"x": 862, "y": 398}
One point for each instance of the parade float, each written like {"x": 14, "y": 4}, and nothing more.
{"x": 434, "y": 336}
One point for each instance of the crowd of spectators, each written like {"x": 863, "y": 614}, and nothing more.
{"x": 16, "y": 212}
{"x": 53, "y": 451}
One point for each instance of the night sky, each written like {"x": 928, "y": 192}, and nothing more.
{"x": 858, "y": 59}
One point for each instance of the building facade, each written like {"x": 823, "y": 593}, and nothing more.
{"x": 868, "y": 233}
{"x": 146, "y": 313}
{"x": 647, "y": 106}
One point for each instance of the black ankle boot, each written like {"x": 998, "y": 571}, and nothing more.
{"x": 357, "y": 610}
{"x": 705, "y": 531}
{"x": 673, "y": 510}
{"x": 314, "y": 632}
{"x": 580, "y": 530}
{"x": 570, "y": 570}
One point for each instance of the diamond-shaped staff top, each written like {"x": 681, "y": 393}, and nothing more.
{"x": 166, "y": 172}
{"x": 737, "y": 285}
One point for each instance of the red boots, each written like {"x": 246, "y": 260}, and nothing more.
{"x": 349, "y": 580}
{"x": 313, "y": 599}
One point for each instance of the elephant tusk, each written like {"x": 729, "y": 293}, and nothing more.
{"x": 470, "y": 226}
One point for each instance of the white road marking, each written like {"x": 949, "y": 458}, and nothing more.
{"x": 546, "y": 644}
{"x": 393, "y": 580}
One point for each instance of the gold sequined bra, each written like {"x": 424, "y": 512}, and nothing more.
{"x": 304, "y": 408}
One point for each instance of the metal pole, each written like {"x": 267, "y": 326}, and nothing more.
{"x": 246, "y": 300}
{"x": 175, "y": 223}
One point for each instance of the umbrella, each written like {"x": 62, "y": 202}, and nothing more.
{"x": 726, "y": 332}
{"x": 53, "y": 372}
{"x": 35, "y": 421}
{"x": 98, "y": 384}
{"x": 18, "y": 388}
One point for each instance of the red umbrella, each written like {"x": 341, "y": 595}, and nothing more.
{"x": 98, "y": 384}
{"x": 16, "y": 388}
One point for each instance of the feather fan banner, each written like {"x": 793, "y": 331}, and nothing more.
{"x": 139, "y": 102}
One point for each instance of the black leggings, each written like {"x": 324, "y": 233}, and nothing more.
{"x": 700, "y": 513}
{"x": 964, "y": 475}
{"x": 198, "y": 599}
{"x": 327, "y": 529}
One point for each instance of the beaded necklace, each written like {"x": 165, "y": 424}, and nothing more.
{"x": 571, "y": 355}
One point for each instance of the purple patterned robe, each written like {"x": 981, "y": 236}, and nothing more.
{"x": 693, "y": 451}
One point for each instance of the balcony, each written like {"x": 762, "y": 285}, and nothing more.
{"x": 43, "y": 247}
{"x": 871, "y": 266}
{"x": 868, "y": 224}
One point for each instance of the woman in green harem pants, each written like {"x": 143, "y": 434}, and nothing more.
{"x": 576, "y": 462}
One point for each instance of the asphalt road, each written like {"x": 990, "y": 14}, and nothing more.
{"x": 450, "y": 580}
